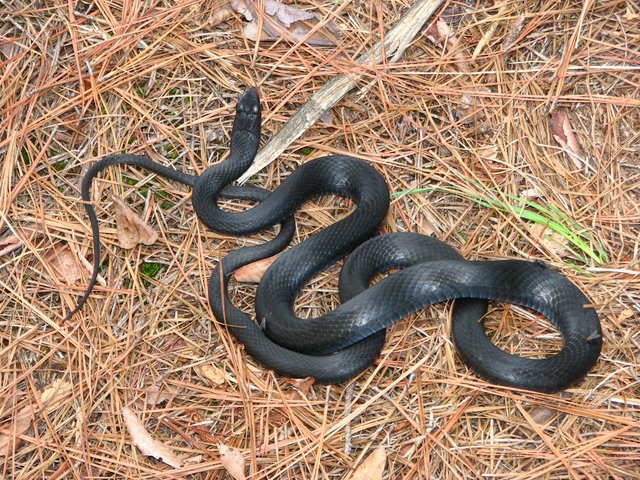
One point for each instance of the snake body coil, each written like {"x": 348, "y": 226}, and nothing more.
{"x": 345, "y": 341}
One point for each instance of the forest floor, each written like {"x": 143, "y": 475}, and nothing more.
{"x": 509, "y": 130}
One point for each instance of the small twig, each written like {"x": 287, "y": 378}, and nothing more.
{"x": 395, "y": 42}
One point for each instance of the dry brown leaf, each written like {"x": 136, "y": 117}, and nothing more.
{"x": 551, "y": 239}
{"x": 10, "y": 48}
{"x": 513, "y": 34}
{"x": 218, "y": 15}
{"x": 542, "y": 415}
{"x": 146, "y": 443}
{"x": 531, "y": 193}
{"x": 372, "y": 468}
{"x": 132, "y": 230}
{"x": 157, "y": 394}
{"x": 56, "y": 391}
{"x": 630, "y": 14}
{"x": 253, "y": 272}
{"x": 65, "y": 265}
{"x": 10, "y": 433}
{"x": 284, "y": 21}
{"x": 304, "y": 384}
{"x": 438, "y": 31}
{"x": 214, "y": 375}
{"x": 232, "y": 460}
{"x": 563, "y": 134}
{"x": 50, "y": 398}
{"x": 426, "y": 227}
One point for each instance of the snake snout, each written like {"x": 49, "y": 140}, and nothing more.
{"x": 249, "y": 102}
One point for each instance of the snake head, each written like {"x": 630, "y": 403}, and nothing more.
{"x": 248, "y": 117}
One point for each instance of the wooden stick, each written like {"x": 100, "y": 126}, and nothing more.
{"x": 395, "y": 43}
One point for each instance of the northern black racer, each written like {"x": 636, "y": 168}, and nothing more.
{"x": 344, "y": 342}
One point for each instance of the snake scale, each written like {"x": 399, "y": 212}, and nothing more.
{"x": 342, "y": 343}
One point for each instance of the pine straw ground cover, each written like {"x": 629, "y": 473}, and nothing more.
{"x": 460, "y": 125}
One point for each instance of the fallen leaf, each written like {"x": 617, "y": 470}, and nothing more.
{"x": 531, "y": 193}
{"x": 372, "y": 468}
{"x": 50, "y": 399}
{"x": 253, "y": 272}
{"x": 146, "y": 443}
{"x": 625, "y": 315}
{"x": 550, "y": 239}
{"x": 563, "y": 134}
{"x": 426, "y": 226}
{"x": 214, "y": 375}
{"x": 284, "y": 21}
{"x": 438, "y": 31}
{"x": 303, "y": 385}
{"x": 630, "y": 14}
{"x": 542, "y": 415}
{"x": 232, "y": 460}
{"x": 18, "y": 425}
{"x": 156, "y": 395}
{"x": 65, "y": 265}
{"x": 9, "y": 244}
{"x": 11, "y": 47}
{"x": 57, "y": 390}
{"x": 132, "y": 230}
{"x": 218, "y": 15}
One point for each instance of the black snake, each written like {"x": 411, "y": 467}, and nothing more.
{"x": 342, "y": 343}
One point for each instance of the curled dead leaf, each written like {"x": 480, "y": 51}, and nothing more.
{"x": 514, "y": 32}
{"x": 253, "y": 272}
{"x": 132, "y": 230}
{"x": 89, "y": 268}
{"x": 232, "y": 460}
{"x": 146, "y": 443}
{"x": 218, "y": 15}
{"x": 284, "y": 21}
{"x": 372, "y": 468}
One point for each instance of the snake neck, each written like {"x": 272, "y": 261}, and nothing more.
{"x": 245, "y": 139}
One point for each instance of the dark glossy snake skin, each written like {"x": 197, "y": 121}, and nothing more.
{"x": 344, "y": 342}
